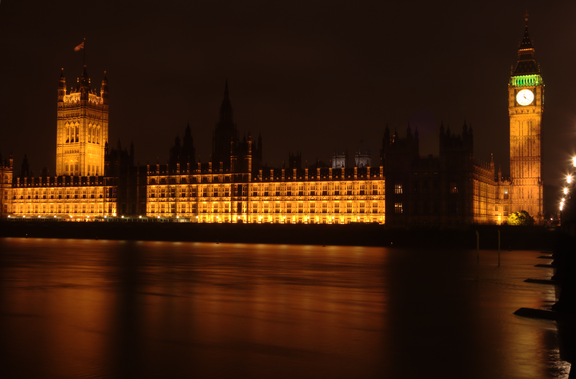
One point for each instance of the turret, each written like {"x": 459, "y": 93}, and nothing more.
{"x": 104, "y": 90}
{"x": 61, "y": 87}
{"x": 25, "y": 168}
{"x": 84, "y": 85}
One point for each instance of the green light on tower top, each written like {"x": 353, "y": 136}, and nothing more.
{"x": 526, "y": 80}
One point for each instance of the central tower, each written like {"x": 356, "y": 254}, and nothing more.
{"x": 82, "y": 129}
{"x": 525, "y": 107}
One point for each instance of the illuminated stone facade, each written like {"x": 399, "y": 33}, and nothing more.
{"x": 322, "y": 195}
{"x": 526, "y": 106}
{"x": 79, "y": 188}
{"x": 63, "y": 196}
{"x": 82, "y": 128}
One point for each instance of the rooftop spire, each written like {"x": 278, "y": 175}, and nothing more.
{"x": 226, "y": 107}
{"x": 526, "y": 41}
{"x": 526, "y": 63}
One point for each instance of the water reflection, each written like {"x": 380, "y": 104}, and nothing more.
{"x": 120, "y": 309}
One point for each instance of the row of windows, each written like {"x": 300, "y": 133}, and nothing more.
{"x": 398, "y": 189}
{"x": 72, "y": 133}
{"x": 55, "y": 191}
{"x": 38, "y": 197}
{"x": 74, "y": 169}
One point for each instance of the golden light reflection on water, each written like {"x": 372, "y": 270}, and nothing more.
{"x": 80, "y": 308}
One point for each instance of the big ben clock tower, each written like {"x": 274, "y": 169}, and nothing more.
{"x": 526, "y": 106}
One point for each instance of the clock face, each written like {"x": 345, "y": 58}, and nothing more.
{"x": 525, "y": 97}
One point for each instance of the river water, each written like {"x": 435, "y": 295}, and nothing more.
{"x": 120, "y": 309}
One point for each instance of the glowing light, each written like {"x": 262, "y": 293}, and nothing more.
{"x": 574, "y": 161}
{"x": 114, "y": 214}
{"x": 122, "y": 216}
{"x": 569, "y": 179}
{"x": 565, "y": 191}
{"x": 139, "y": 216}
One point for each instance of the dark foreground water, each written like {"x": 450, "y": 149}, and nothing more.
{"x": 96, "y": 309}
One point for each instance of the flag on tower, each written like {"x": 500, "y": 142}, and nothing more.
{"x": 79, "y": 47}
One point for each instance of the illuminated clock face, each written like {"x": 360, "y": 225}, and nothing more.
{"x": 525, "y": 97}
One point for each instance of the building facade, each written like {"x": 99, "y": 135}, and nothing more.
{"x": 94, "y": 181}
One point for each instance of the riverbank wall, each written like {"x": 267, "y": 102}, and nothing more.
{"x": 511, "y": 237}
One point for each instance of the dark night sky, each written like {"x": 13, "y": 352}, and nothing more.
{"x": 309, "y": 75}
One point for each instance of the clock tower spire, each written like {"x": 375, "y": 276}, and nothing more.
{"x": 525, "y": 108}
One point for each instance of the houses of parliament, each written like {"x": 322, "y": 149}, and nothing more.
{"x": 95, "y": 181}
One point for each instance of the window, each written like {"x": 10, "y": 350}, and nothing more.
{"x": 398, "y": 189}
{"x": 453, "y": 188}
{"x": 505, "y": 192}
{"x": 398, "y": 208}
